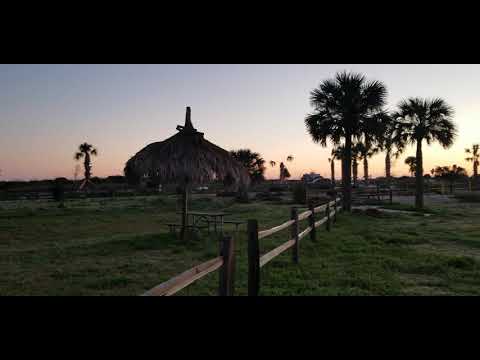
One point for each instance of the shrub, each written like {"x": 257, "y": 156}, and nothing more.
{"x": 58, "y": 192}
{"x": 300, "y": 194}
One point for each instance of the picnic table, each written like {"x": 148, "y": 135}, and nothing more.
{"x": 217, "y": 218}
{"x": 197, "y": 220}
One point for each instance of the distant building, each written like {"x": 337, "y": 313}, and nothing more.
{"x": 313, "y": 178}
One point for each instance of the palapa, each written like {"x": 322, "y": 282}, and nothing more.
{"x": 186, "y": 158}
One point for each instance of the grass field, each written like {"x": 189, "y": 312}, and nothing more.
{"x": 119, "y": 246}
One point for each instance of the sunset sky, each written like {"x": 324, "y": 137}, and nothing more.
{"x": 46, "y": 111}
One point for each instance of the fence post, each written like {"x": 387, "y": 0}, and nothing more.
{"x": 390, "y": 194}
{"x": 327, "y": 210}
{"x": 335, "y": 208}
{"x": 253, "y": 258}
{"x": 295, "y": 247}
{"x": 227, "y": 271}
{"x": 311, "y": 222}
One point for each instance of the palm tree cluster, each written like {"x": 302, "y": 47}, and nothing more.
{"x": 349, "y": 111}
{"x": 450, "y": 174}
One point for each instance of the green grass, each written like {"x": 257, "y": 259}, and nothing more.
{"x": 120, "y": 247}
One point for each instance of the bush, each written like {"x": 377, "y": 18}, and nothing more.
{"x": 468, "y": 197}
{"x": 300, "y": 194}
{"x": 59, "y": 192}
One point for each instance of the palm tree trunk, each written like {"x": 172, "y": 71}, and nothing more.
{"x": 475, "y": 168}
{"x": 355, "y": 171}
{"x": 87, "y": 166}
{"x": 332, "y": 170}
{"x": 365, "y": 168}
{"x": 347, "y": 181}
{"x": 419, "y": 176}
{"x": 388, "y": 165}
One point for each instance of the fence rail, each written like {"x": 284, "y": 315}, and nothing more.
{"x": 225, "y": 262}
{"x": 257, "y": 261}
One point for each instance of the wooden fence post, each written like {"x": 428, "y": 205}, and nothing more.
{"x": 311, "y": 222}
{"x": 327, "y": 210}
{"x": 295, "y": 247}
{"x": 227, "y": 271}
{"x": 335, "y": 208}
{"x": 253, "y": 258}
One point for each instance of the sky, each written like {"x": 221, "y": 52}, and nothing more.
{"x": 46, "y": 111}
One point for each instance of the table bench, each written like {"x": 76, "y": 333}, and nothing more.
{"x": 173, "y": 226}
{"x": 234, "y": 222}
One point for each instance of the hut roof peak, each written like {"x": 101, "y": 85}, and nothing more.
{"x": 188, "y": 127}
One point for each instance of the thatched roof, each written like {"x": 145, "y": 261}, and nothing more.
{"x": 186, "y": 157}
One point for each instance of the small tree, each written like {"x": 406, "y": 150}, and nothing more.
{"x": 474, "y": 158}
{"x": 411, "y": 161}
{"x": 252, "y": 161}
{"x": 85, "y": 151}
{"x": 58, "y": 192}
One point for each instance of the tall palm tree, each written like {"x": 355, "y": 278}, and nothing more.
{"x": 411, "y": 161}
{"x": 332, "y": 169}
{"x": 342, "y": 106}
{"x": 366, "y": 151}
{"x": 392, "y": 145}
{"x": 424, "y": 119}
{"x": 85, "y": 151}
{"x": 356, "y": 148}
{"x": 337, "y": 154}
{"x": 474, "y": 158}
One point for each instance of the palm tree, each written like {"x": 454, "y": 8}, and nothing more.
{"x": 364, "y": 153}
{"x": 284, "y": 173}
{"x": 475, "y": 158}
{"x": 342, "y": 106}
{"x": 392, "y": 146}
{"x": 450, "y": 174}
{"x": 356, "y": 148}
{"x": 424, "y": 119}
{"x": 411, "y": 161}
{"x": 252, "y": 161}
{"x": 337, "y": 154}
{"x": 332, "y": 170}
{"x": 85, "y": 151}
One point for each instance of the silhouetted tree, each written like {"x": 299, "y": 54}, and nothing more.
{"x": 411, "y": 161}
{"x": 284, "y": 173}
{"x": 450, "y": 174}
{"x": 424, "y": 119}
{"x": 85, "y": 151}
{"x": 355, "y": 155}
{"x": 337, "y": 154}
{"x": 474, "y": 158}
{"x": 388, "y": 142}
{"x": 252, "y": 161}
{"x": 342, "y": 106}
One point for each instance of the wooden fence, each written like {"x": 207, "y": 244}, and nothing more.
{"x": 225, "y": 262}
{"x": 257, "y": 261}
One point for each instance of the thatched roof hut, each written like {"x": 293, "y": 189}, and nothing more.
{"x": 186, "y": 157}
